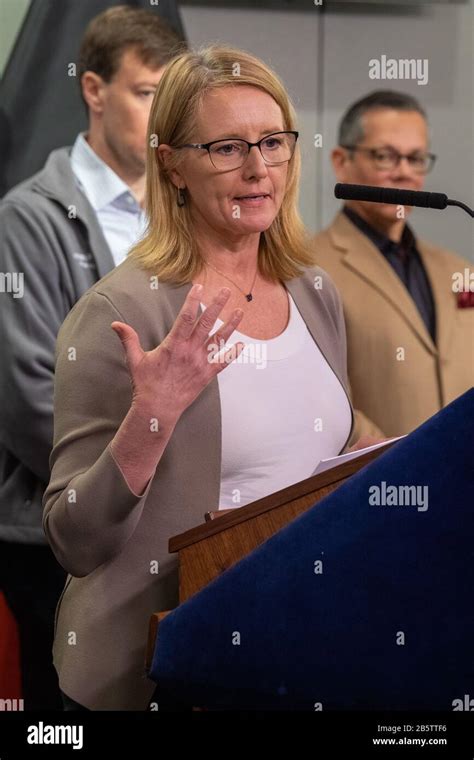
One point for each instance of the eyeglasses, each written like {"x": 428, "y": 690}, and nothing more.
{"x": 389, "y": 158}
{"x": 230, "y": 153}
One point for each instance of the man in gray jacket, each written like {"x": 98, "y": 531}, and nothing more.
{"x": 62, "y": 230}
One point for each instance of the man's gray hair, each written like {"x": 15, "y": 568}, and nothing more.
{"x": 351, "y": 128}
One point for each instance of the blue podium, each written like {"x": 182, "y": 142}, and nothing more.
{"x": 363, "y": 602}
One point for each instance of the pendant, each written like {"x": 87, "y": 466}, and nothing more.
{"x": 249, "y": 296}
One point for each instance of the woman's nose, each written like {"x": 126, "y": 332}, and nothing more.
{"x": 254, "y": 164}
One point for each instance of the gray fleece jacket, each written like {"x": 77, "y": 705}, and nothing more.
{"x": 51, "y": 251}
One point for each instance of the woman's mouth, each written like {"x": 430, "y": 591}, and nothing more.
{"x": 252, "y": 199}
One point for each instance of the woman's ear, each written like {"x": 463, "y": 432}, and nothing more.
{"x": 164, "y": 153}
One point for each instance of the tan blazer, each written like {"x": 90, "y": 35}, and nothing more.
{"x": 398, "y": 377}
{"x": 105, "y": 536}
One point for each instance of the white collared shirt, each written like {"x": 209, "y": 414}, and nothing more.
{"x": 120, "y": 217}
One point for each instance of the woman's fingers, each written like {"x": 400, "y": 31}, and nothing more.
{"x": 365, "y": 441}
{"x": 209, "y": 316}
{"x": 186, "y": 319}
{"x": 130, "y": 342}
{"x": 180, "y": 362}
{"x": 218, "y": 339}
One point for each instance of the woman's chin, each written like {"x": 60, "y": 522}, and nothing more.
{"x": 252, "y": 223}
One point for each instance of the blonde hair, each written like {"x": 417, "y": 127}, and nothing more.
{"x": 169, "y": 248}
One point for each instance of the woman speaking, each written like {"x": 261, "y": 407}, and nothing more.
{"x": 206, "y": 371}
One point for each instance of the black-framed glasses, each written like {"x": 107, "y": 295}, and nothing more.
{"x": 389, "y": 158}
{"x": 231, "y": 153}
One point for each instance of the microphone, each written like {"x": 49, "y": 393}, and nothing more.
{"x": 396, "y": 196}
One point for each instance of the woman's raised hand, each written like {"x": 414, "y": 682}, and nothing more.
{"x": 171, "y": 376}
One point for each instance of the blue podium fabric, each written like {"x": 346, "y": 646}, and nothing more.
{"x": 386, "y": 622}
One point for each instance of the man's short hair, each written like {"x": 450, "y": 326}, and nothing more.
{"x": 351, "y": 127}
{"x": 122, "y": 27}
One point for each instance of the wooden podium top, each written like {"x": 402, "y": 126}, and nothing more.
{"x": 325, "y": 481}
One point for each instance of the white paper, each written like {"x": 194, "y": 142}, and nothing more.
{"x": 329, "y": 464}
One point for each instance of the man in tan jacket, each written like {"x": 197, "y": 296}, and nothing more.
{"x": 408, "y": 304}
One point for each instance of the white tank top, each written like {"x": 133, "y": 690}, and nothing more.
{"x": 283, "y": 410}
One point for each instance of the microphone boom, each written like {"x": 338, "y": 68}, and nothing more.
{"x": 398, "y": 197}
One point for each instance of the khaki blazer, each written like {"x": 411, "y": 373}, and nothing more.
{"x": 105, "y": 536}
{"x": 398, "y": 376}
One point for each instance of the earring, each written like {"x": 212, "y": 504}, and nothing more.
{"x": 181, "y": 198}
